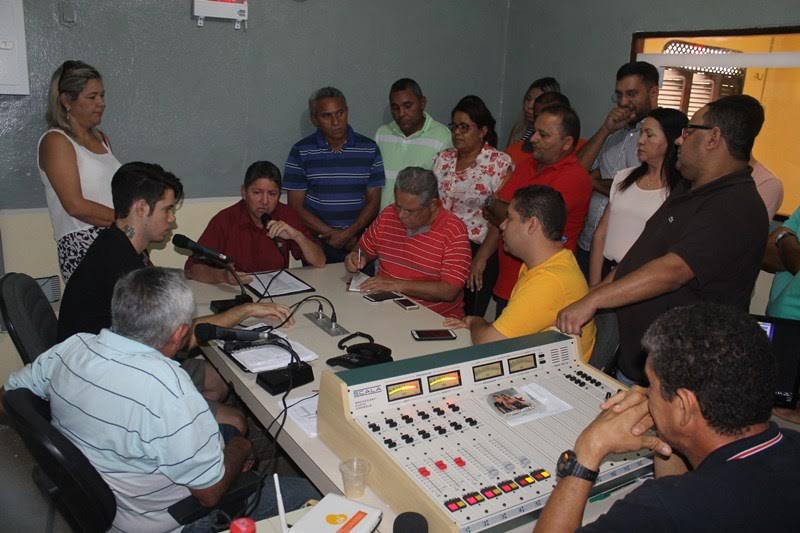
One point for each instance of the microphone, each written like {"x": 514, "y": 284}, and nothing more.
{"x": 265, "y": 218}
{"x": 182, "y": 241}
{"x": 410, "y": 523}
{"x": 206, "y": 332}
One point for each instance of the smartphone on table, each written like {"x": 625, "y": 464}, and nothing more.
{"x": 407, "y": 304}
{"x": 433, "y": 334}
{"x": 382, "y": 296}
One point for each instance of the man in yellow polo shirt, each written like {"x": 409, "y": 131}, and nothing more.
{"x": 548, "y": 279}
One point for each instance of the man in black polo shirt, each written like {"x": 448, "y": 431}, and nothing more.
{"x": 712, "y": 382}
{"x": 705, "y": 243}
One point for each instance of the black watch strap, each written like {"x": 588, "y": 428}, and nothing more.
{"x": 568, "y": 465}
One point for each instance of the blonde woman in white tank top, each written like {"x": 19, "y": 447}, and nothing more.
{"x": 75, "y": 162}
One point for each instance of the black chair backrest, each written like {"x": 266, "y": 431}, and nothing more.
{"x": 81, "y": 493}
{"x": 30, "y": 319}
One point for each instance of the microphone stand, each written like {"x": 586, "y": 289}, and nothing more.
{"x": 218, "y": 306}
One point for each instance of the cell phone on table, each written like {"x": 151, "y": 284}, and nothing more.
{"x": 382, "y": 296}
{"x": 433, "y": 334}
{"x": 407, "y": 304}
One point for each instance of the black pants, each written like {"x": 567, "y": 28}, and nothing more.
{"x": 476, "y": 302}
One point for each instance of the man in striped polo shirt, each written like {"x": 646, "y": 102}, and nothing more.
{"x": 123, "y": 401}
{"x": 334, "y": 176}
{"x": 412, "y": 139}
{"x": 712, "y": 383}
{"x": 423, "y": 248}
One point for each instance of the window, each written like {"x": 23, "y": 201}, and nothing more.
{"x": 764, "y": 63}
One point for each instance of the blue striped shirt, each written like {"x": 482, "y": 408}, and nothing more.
{"x": 137, "y": 417}
{"x": 335, "y": 183}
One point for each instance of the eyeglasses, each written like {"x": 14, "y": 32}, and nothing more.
{"x": 617, "y": 96}
{"x": 461, "y": 127}
{"x": 688, "y": 129}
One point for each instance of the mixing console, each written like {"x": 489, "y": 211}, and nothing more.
{"x": 469, "y": 438}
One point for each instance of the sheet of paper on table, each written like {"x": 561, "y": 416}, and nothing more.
{"x": 261, "y": 358}
{"x": 304, "y": 413}
{"x": 284, "y": 283}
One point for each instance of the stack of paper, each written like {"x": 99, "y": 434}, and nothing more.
{"x": 270, "y": 357}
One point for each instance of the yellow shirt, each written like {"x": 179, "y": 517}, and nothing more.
{"x": 540, "y": 293}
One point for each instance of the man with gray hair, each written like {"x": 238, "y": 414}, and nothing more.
{"x": 133, "y": 411}
{"x": 423, "y": 248}
{"x": 334, "y": 177}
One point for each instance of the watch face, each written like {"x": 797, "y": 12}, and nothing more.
{"x": 566, "y": 463}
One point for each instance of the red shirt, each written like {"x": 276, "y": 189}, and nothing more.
{"x": 441, "y": 253}
{"x": 519, "y": 156}
{"x": 567, "y": 177}
{"x": 233, "y": 233}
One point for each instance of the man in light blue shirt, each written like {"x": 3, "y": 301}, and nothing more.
{"x": 412, "y": 139}
{"x": 120, "y": 397}
{"x": 615, "y": 145}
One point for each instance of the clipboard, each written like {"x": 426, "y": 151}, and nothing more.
{"x": 278, "y": 283}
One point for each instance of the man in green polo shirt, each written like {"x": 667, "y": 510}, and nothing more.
{"x": 412, "y": 139}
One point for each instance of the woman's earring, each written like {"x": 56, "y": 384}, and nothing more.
{"x": 68, "y": 115}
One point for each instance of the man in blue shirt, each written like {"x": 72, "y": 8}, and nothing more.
{"x": 334, "y": 177}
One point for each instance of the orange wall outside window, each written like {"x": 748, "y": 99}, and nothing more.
{"x": 778, "y": 90}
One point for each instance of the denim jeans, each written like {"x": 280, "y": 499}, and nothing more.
{"x": 625, "y": 380}
{"x": 296, "y": 491}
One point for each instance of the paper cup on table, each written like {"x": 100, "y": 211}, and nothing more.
{"x": 354, "y": 475}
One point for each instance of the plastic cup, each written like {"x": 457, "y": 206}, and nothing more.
{"x": 354, "y": 475}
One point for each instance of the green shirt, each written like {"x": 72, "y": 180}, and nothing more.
{"x": 417, "y": 150}
{"x": 784, "y": 298}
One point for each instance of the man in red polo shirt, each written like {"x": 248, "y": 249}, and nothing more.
{"x": 239, "y": 231}
{"x": 423, "y": 248}
{"x": 554, "y": 164}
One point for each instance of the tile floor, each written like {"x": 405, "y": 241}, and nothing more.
{"x": 22, "y": 506}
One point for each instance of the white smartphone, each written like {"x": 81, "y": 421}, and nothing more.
{"x": 433, "y": 334}
{"x": 407, "y": 304}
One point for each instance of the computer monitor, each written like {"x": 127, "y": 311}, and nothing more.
{"x": 784, "y": 336}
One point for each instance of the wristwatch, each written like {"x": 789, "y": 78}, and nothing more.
{"x": 781, "y": 235}
{"x": 568, "y": 465}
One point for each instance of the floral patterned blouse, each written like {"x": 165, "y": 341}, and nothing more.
{"x": 464, "y": 192}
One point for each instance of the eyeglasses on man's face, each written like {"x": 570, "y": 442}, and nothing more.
{"x": 688, "y": 129}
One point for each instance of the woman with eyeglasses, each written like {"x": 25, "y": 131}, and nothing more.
{"x": 468, "y": 175}
{"x": 637, "y": 192}
{"x": 75, "y": 162}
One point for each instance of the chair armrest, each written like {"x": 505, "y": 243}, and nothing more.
{"x": 190, "y": 509}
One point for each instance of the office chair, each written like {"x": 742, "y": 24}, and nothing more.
{"x": 63, "y": 472}
{"x": 27, "y": 314}
{"x": 73, "y": 484}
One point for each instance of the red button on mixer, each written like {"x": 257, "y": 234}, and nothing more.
{"x": 424, "y": 471}
{"x": 440, "y": 465}
{"x": 459, "y": 461}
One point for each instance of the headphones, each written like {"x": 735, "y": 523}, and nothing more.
{"x": 361, "y": 354}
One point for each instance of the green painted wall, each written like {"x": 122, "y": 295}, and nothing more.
{"x": 205, "y": 102}
{"x": 583, "y": 42}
